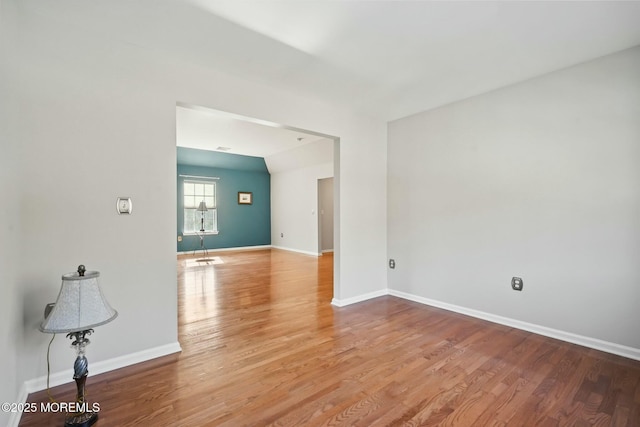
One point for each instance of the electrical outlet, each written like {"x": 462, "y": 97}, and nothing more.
{"x": 517, "y": 283}
{"x": 392, "y": 263}
{"x": 48, "y": 308}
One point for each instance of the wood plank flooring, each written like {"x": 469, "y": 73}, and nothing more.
{"x": 263, "y": 346}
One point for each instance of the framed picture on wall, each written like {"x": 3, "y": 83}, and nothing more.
{"x": 245, "y": 198}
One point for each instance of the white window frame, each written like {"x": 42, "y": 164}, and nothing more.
{"x": 191, "y": 201}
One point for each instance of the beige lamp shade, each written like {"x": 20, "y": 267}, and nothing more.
{"x": 80, "y": 305}
{"x": 202, "y": 207}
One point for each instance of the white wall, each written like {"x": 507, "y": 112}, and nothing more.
{"x": 294, "y": 208}
{"x": 93, "y": 129}
{"x": 10, "y": 310}
{"x": 97, "y": 121}
{"x": 538, "y": 180}
{"x": 294, "y": 194}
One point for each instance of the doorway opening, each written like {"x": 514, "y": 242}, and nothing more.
{"x": 300, "y": 162}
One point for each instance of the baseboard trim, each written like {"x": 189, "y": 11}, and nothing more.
{"x": 64, "y": 377}
{"x": 14, "y": 418}
{"x": 252, "y": 248}
{"x": 283, "y": 248}
{"x": 360, "y": 298}
{"x": 236, "y": 248}
{"x": 594, "y": 343}
{"x": 327, "y": 251}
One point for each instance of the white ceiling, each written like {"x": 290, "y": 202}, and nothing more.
{"x": 396, "y": 58}
{"x": 206, "y": 129}
{"x": 387, "y": 59}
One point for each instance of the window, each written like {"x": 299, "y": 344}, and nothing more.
{"x": 194, "y": 193}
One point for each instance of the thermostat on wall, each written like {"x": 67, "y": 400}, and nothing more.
{"x": 124, "y": 205}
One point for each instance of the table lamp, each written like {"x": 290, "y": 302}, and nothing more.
{"x": 80, "y": 307}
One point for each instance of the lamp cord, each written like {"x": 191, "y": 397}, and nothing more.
{"x": 51, "y": 399}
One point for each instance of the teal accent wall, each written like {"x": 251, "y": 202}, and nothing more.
{"x": 238, "y": 225}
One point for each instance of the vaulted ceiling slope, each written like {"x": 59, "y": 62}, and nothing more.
{"x": 205, "y": 129}
{"x": 388, "y": 59}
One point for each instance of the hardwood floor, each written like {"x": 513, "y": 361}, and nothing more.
{"x": 263, "y": 346}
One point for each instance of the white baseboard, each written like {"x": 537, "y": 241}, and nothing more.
{"x": 594, "y": 343}
{"x": 326, "y": 251}
{"x": 359, "y": 298}
{"x": 608, "y": 347}
{"x": 237, "y": 248}
{"x": 254, "y": 248}
{"x": 14, "y": 418}
{"x": 66, "y": 376}
{"x": 296, "y": 250}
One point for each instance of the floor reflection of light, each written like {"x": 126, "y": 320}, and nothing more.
{"x": 199, "y": 287}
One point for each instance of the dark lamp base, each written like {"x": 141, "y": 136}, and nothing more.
{"x": 82, "y": 419}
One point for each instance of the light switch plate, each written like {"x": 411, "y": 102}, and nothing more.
{"x": 124, "y": 205}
